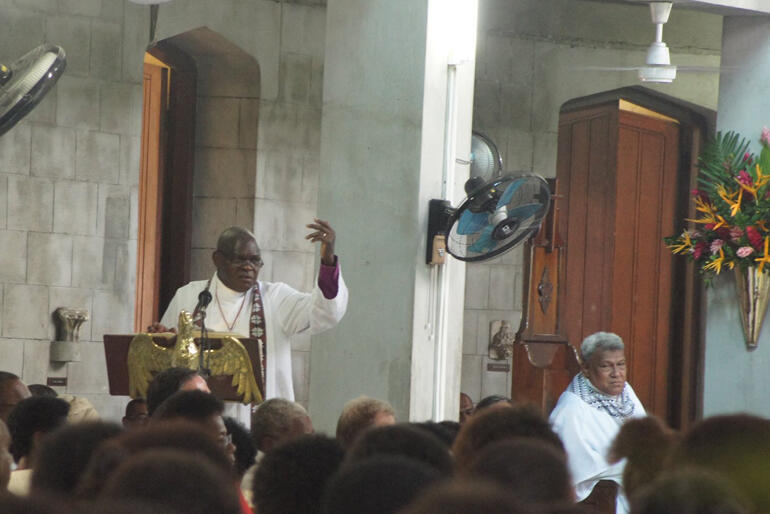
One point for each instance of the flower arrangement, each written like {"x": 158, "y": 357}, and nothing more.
{"x": 732, "y": 227}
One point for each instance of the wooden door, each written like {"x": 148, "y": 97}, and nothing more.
{"x": 165, "y": 184}
{"x": 618, "y": 173}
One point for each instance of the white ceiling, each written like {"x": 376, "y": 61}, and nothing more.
{"x": 722, "y": 7}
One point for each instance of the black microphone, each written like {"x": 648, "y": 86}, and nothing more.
{"x": 204, "y": 299}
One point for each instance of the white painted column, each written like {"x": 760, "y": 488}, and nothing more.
{"x": 383, "y": 157}
{"x": 734, "y": 378}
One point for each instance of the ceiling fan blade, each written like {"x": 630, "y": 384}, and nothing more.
{"x": 485, "y": 242}
{"x": 471, "y": 222}
{"x": 608, "y": 68}
{"x": 707, "y": 69}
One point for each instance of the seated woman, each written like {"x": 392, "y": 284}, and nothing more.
{"x": 589, "y": 413}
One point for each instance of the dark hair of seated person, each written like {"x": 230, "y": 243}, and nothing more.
{"x": 123, "y": 506}
{"x": 193, "y": 405}
{"x": 443, "y": 432}
{"x": 491, "y": 400}
{"x": 402, "y": 440}
{"x": 64, "y": 456}
{"x": 645, "y": 443}
{"x": 175, "y": 480}
{"x": 451, "y": 426}
{"x": 42, "y": 390}
{"x": 382, "y": 484}
{"x": 466, "y": 497}
{"x": 181, "y": 435}
{"x": 690, "y": 491}
{"x": 245, "y": 451}
{"x": 734, "y": 445}
{"x": 166, "y": 383}
{"x": 494, "y": 425}
{"x": 32, "y": 415}
{"x": 12, "y": 504}
{"x": 532, "y": 470}
{"x": 292, "y": 477}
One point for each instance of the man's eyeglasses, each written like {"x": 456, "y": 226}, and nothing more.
{"x": 254, "y": 261}
{"x": 225, "y": 439}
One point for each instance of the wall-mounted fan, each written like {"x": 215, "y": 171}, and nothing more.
{"x": 494, "y": 218}
{"x": 657, "y": 67}
{"x": 27, "y": 81}
{"x": 486, "y": 162}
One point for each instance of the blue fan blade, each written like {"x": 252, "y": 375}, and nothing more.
{"x": 508, "y": 194}
{"x": 470, "y": 223}
{"x": 484, "y": 243}
{"x": 525, "y": 211}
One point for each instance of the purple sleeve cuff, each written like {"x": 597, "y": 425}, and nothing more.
{"x": 328, "y": 279}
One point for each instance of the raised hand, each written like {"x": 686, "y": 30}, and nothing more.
{"x": 324, "y": 233}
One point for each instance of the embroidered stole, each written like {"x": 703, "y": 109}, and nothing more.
{"x": 256, "y": 332}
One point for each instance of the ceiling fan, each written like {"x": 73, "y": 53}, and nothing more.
{"x": 657, "y": 67}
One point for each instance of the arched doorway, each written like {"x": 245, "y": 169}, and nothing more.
{"x": 206, "y": 153}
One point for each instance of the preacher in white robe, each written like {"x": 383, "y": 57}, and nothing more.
{"x": 285, "y": 312}
{"x": 587, "y": 418}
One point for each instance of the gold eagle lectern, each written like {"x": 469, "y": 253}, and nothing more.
{"x": 146, "y": 357}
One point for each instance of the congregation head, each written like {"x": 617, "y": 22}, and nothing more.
{"x": 12, "y": 391}
{"x": 175, "y": 480}
{"x": 493, "y": 401}
{"x": 735, "y": 446}
{"x": 403, "y": 440}
{"x": 691, "y": 491}
{"x": 6, "y": 459}
{"x": 533, "y": 470}
{"x": 64, "y": 456}
{"x": 137, "y": 414}
{"x": 244, "y": 452}
{"x": 467, "y": 497}
{"x": 382, "y": 484}
{"x": 494, "y": 425}
{"x": 644, "y": 443}
{"x": 360, "y": 414}
{"x": 31, "y": 420}
{"x": 180, "y": 435}
{"x": 201, "y": 408}
{"x": 278, "y": 420}
{"x": 293, "y": 476}
{"x": 169, "y": 381}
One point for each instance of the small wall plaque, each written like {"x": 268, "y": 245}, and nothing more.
{"x": 503, "y": 367}
{"x": 56, "y": 382}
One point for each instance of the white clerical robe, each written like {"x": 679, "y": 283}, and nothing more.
{"x": 287, "y": 312}
{"x": 587, "y": 433}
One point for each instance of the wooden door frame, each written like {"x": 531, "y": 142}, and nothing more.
{"x": 173, "y": 179}
{"x": 686, "y": 360}
{"x": 176, "y": 248}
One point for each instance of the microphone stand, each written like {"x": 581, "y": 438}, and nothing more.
{"x": 203, "y": 299}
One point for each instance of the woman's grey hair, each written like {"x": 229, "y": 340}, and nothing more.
{"x": 601, "y": 341}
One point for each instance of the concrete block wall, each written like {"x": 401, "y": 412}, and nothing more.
{"x": 68, "y": 190}
{"x": 288, "y": 164}
{"x": 528, "y": 63}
